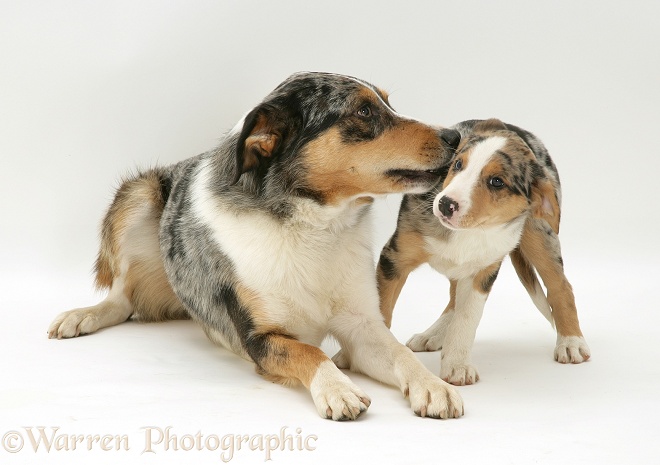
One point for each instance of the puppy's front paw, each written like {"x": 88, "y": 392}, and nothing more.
{"x": 571, "y": 349}
{"x": 73, "y": 323}
{"x": 458, "y": 374}
{"x": 426, "y": 342}
{"x": 335, "y": 395}
{"x": 431, "y": 397}
{"x": 433, "y": 338}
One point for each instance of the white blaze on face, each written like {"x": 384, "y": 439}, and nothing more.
{"x": 462, "y": 185}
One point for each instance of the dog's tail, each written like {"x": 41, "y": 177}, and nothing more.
{"x": 527, "y": 275}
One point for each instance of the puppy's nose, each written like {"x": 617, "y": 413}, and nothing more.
{"x": 447, "y": 206}
{"x": 451, "y": 137}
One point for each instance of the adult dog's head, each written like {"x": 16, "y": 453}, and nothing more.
{"x": 334, "y": 138}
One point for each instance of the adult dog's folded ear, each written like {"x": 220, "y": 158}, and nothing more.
{"x": 261, "y": 138}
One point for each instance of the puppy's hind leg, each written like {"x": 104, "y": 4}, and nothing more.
{"x": 541, "y": 248}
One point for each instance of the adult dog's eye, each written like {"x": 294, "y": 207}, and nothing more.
{"x": 496, "y": 182}
{"x": 364, "y": 112}
{"x": 458, "y": 165}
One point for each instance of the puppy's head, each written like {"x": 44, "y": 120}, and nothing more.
{"x": 493, "y": 179}
{"x": 332, "y": 137}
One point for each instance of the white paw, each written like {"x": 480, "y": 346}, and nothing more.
{"x": 425, "y": 342}
{"x": 458, "y": 374}
{"x": 73, "y": 323}
{"x": 431, "y": 397}
{"x": 571, "y": 349}
{"x": 433, "y": 338}
{"x": 341, "y": 361}
{"x": 335, "y": 395}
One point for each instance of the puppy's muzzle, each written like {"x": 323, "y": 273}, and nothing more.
{"x": 446, "y": 206}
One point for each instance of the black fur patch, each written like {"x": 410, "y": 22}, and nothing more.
{"x": 255, "y": 346}
{"x": 474, "y": 140}
{"x": 165, "y": 187}
{"x": 520, "y": 186}
{"x": 487, "y": 283}
{"x": 309, "y": 194}
{"x": 506, "y": 158}
{"x": 404, "y": 205}
{"x": 388, "y": 267}
{"x": 178, "y": 199}
{"x": 354, "y": 129}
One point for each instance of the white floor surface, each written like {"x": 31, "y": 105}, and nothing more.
{"x": 136, "y": 380}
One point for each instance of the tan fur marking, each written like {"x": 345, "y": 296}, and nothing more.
{"x": 491, "y": 207}
{"x": 340, "y": 170}
{"x": 138, "y": 204}
{"x": 451, "y": 306}
{"x": 560, "y": 292}
{"x": 525, "y": 271}
{"x": 412, "y": 253}
{"x": 250, "y": 299}
{"x": 132, "y": 196}
{"x": 150, "y": 293}
{"x": 489, "y": 125}
{"x": 363, "y": 201}
{"x": 483, "y": 281}
{"x": 104, "y": 269}
{"x": 412, "y": 249}
{"x": 291, "y": 362}
{"x": 261, "y": 142}
{"x": 389, "y": 290}
{"x": 545, "y": 205}
{"x": 384, "y": 95}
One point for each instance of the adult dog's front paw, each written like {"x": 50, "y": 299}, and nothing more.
{"x": 73, "y": 323}
{"x": 571, "y": 349}
{"x": 458, "y": 374}
{"x": 335, "y": 395}
{"x": 431, "y": 397}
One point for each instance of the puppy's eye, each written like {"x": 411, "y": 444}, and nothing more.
{"x": 458, "y": 165}
{"x": 364, "y": 112}
{"x": 496, "y": 182}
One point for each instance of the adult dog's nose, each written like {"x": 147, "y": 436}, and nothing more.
{"x": 451, "y": 137}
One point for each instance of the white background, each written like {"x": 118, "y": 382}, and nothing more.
{"x": 91, "y": 90}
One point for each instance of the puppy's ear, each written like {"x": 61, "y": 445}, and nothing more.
{"x": 545, "y": 204}
{"x": 260, "y": 139}
{"x": 492, "y": 124}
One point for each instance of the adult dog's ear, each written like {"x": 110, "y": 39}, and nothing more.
{"x": 545, "y": 204}
{"x": 492, "y": 124}
{"x": 263, "y": 131}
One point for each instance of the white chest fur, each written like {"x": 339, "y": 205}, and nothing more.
{"x": 468, "y": 251}
{"x": 302, "y": 267}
